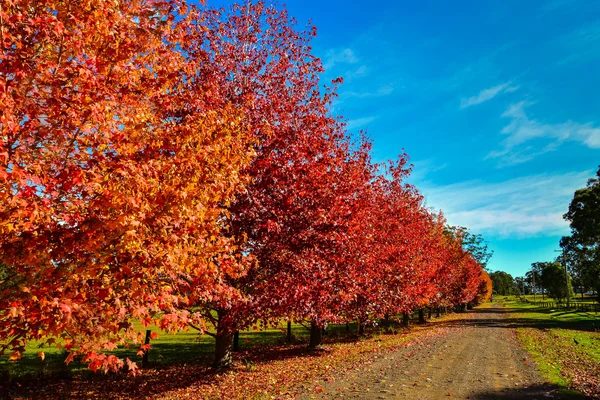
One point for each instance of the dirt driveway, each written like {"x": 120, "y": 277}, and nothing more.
{"x": 474, "y": 357}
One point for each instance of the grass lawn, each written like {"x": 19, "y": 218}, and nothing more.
{"x": 167, "y": 349}
{"x": 266, "y": 367}
{"x": 586, "y": 299}
{"x": 564, "y": 344}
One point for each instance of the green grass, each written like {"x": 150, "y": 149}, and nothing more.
{"x": 167, "y": 349}
{"x": 576, "y": 299}
{"x": 564, "y": 344}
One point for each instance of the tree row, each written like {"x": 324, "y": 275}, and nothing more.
{"x": 181, "y": 166}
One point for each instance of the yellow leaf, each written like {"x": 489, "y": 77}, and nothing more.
{"x": 41, "y": 355}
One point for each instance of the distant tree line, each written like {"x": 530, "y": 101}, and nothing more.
{"x": 545, "y": 279}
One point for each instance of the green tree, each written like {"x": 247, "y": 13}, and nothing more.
{"x": 582, "y": 248}
{"x": 554, "y": 280}
{"x": 474, "y": 244}
{"x": 534, "y": 278}
{"x": 523, "y": 285}
{"x": 504, "y": 284}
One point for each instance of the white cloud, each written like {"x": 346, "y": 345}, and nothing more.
{"x": 384, "y": 90}
{"x": 359, "y": 122}
{"x": 423, "y": 168}
{"x": 582, "y": 45}
{"x": 590, "y": 137}
{"x": 487, "y": 95}
{"x": 339, "y": 56}
{"x": 522, "y": 129}
{"x": 359, "y": 72}
{"x": 529, "y": 206}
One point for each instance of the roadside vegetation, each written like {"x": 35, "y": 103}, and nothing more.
{"x": 565, "y": 344}
{"x": 265, "y": 365}
{"x": 167, "y": 349}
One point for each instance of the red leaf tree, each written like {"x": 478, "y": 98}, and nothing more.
{"x": 264, "y": 67}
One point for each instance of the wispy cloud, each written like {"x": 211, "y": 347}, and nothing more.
{"x": 487, "y": 95}
{"x": 424, "y": 168}
{"x": 339, "y": 56}
{"x": 359, "y": 122}
{"x": 384, "y": 90}
{"x": 359, "y": 72}
{"x": 529, "y": 206}
{"x": 523, "y": 129}
{"x": 582, "y": 45}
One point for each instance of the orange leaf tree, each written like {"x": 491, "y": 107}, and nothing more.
{"x": 485, "y": 288}
{"x": 115, "y": 174}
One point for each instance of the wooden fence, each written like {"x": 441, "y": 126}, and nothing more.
{"x": 583, "y": 307}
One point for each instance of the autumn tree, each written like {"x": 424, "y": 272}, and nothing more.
{"x": 182, "y": 166}
{"x": 305, "y": 216}
{"x": 255, "y": 60}
{"x": 405, "y": 236}
{"x": 485, "y": 288}
{"x": 115, "y": 174}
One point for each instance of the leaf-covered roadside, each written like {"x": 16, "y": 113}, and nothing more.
{"x": 572, "y": 356}
{"x": 262, "y": 372}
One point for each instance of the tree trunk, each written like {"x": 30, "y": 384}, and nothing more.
{"x": 438, "y": 312}
{"x": 386, "y": 322}
{"x": 405, "y": 319}
{"x": 316, "y": 335}
{"x": 347, "y": 326}
{"x": 289, "y": 332}
{"x": 145, "y": 357}
{"x": 421, "y": 316}
{"x": 236, "y": 341}
{"x": 223, "y": 347}
{"x": 361, "y": 328}
{"x": 429, "y": 313}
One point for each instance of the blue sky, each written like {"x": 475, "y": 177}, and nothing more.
{"x": 496, "y": 102}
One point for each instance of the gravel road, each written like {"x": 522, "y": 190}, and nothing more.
{"x": 475, "y": 356}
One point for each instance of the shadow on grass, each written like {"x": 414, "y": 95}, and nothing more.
{"x": 156, "y": 380}
{"x": 548, "y": 320}
{"x": 172, "y": 366}
{"x": 176, "y": 365}
{"x": 545, "y": 392}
